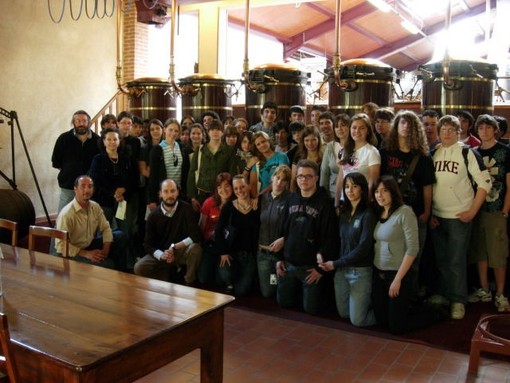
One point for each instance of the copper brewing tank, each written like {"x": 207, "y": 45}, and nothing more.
{"x": 204, "y": 91}
{"x": 150, "y": 97}
{"x": 281, "y": 83}
{"x": 469, "y": 86}
{"x": 361, "y": 81}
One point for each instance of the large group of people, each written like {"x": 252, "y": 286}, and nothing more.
{"x": 387, "y": 210}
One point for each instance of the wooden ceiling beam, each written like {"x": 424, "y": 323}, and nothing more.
{"x": 400, "y": 45}
{"x": 300, "y": 39}
{"x": 321, "y": 9}
{"x": 263, "y": 31}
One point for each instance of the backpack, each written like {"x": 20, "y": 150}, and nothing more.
{"x": 465, "y": 151}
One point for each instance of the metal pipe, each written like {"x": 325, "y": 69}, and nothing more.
{"x": 171, "y": 78}
{"x": 118, "y": 73}
{"x": 336, "y": 58}
{"x": 246, "y": 63}
{"x": 448, "y": 83}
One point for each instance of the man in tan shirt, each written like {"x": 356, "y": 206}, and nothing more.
{"x": 91, "y": 239}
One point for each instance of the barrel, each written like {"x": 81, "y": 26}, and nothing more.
{"x": 281, "y": 83}
{"x": 16, "y": 206}
{"x": 361, "y": 81}
{"x": 151, "y": 97}
{"x": 471, "y": 87}
{"x": 205, "y": 91}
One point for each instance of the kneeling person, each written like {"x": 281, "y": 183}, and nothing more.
{"x": 172, "y": 238}
{"x": 83, "y": 218}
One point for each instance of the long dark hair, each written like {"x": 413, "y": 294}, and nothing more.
{"x": 220, "y": 178}
{"x": 396, "y": 197}
{"x": 157, "y": 122}
{"x": 359, "y": 180}
{"x": 302, "y": 152}
{"x": 417, "y": 138}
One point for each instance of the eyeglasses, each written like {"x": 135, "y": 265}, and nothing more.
{"x": 448, "y": 130}
{"x": 307, "y": 177}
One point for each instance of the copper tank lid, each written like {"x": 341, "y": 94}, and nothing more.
{"x": 150, "y": 79}
{"x": 367, "y": 62}
{"x": 276, "y": 66}
{"x": 204, "y": 76}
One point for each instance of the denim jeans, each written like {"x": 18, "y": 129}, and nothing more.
{"x": 208, "y": 268}
{"x": 451, "y": 242}
{"x": 292, "y": 289}
{"x": 241, "y": 273}
{"x": 266, "y": 264}
{"x": 353, "y": 295}
{"x": 66, "y": 196}
{"x": 422, "y": 237}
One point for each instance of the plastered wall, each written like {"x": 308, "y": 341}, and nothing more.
{"x": 48, "y": 71}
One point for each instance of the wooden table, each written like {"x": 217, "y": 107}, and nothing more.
{"x": 73, "y": 322}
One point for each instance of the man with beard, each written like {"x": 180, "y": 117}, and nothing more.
{"x": 91, "y": 239}
{"x": 172, "y": 238}
{"x": 73, "y": 154}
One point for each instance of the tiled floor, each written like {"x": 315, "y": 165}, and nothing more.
{"x": 265, "y": 349}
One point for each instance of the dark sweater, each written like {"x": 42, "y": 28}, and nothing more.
{"x": 73, "y": 157}
{"x": 356, "y": 239}
{"x": 161, "y": 231}
{"x": 109, "y": 176}
{"x": 311, "y": 227}
{"x": 247, "y": 225}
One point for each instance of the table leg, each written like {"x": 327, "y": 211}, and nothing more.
{"x": 211, "y": 354}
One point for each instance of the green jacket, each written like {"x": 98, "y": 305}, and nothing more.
{"x": 224, "y": 160}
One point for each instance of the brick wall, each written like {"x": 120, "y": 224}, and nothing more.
{"x": 135, "y": 62}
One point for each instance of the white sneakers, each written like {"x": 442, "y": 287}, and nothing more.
{"x": 480, "y": 295}
{"x": 501, "y": 303}
{"x": 457, "y": 310}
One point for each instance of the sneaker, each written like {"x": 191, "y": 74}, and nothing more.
{"x": 457, "y": 310}
{"x": 501, "y": 303}
{"x": 480, "y": 295}
{"x": 438, "y": 300}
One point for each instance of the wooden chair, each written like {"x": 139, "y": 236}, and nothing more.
{"x": 485, "y": 340}
{"x": 48, "y": 232}
{"x": 13, "y": 227}
{"x": 7, "y": 360}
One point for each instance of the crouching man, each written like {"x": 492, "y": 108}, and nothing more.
{"x": 172, "y": 238}
{"x": 91, "y": 239}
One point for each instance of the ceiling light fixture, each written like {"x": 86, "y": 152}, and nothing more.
{"x": 382, "y": 5}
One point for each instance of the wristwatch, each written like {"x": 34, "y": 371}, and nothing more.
{"x": 172, "y": 246}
